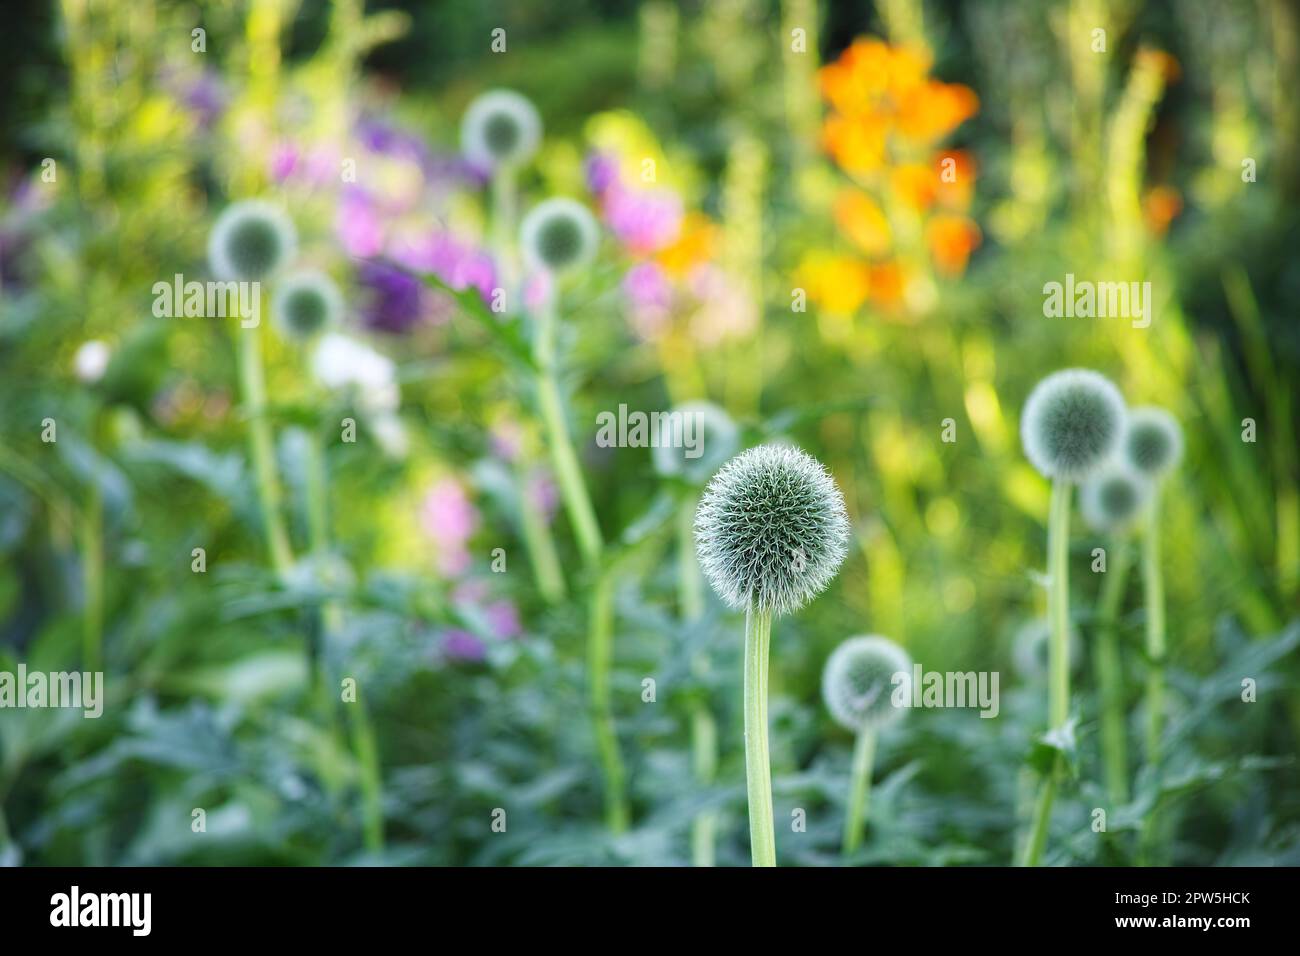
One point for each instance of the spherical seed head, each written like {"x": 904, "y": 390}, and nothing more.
{"x": 771, "y": 529}
{"x": 251, "y": 240}
{"x": 305, "y": 304}
{"x": 858, "y": 682}
{"x": 1072, "y": 423}
{"x": 1153, "y": 441}
{"x": 559, "y": 235}
{"x": 1111, "y": 499}
{"x": 500, "y": 128}
{"x": 714, "y": 431}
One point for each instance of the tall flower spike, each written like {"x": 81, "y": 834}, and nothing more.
{"x": 251, "y": 240}
{"x": 771, "y": 529}
{"x": 500, "y": 128}
{"x": 716, "y": 433}
{"x": 858, "y": 682}
{"x": 1153, "y": 442}
{"x": 305, "y": 304}
{"x": 1113, "y": 498}
{"x": 1072, "y": 423}
{"x": 559, "y": 235}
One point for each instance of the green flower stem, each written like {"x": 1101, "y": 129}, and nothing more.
{"x": 1058, "y": 613}
{"x": 864, "y": 753}
{"x": 600, "y": 650}
{"x": 92, "y": 576}
{"x": 1110, "y": 675}
{"x": 568, "y": 474}
{"x": 330, "y": 619}
{"x": 504, "y": 213}
{"x": 704, "y": 729}
{"x": 758, "y": 768}
{"x": 540, "y": 544}
{"x": 252, "y": 384}
{"x": 1154, "y": 598}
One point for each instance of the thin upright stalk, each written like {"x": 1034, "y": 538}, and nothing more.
{"x": 600, "y": 650}
{"x": 540, "y": 544}
{"x": 92, "y": 577}
{"x": 864, "y": 752}
{"x": 704, "y": 729}
{"x": 1154, "y": 598}
{"x": 252, "y": 385}
{"x": 1110, "y": 675}
{"x": 1058, "y": 613}
{"x": 758, "y": 767}
{"x": 573, "y": 490}
{"x": 363, "y": 737}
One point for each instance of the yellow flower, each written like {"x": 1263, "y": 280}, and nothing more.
{"x": 837, "y": 283}
{"x": 859, "y": 217}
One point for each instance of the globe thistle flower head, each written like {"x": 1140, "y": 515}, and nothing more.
{"x": 305, "y": 304}
{"x": 771, "y": 530}
{"x": 1072, "y": 423}
{"x": 559, "y": 235}
{"x": 716, "y": 437}
{"x": 1153, "y": 441}
{"x": 500, "y": 128}
{"x": 1113, "y": 498}
{"x": 251, "y": 240}
{"x": 858, "y": 682}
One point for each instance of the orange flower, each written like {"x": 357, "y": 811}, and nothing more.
{"x": 1160, "y": 206}
{"x": 888, "y": 284}
{"x": 915, "y": 184}
{"x": 1164, "y": 63}
{"x": 837, "y": 283}
{"x": 857, "y": 143}
{"x": 693, "y": 245}
{"x": 955, "y": 172}
{"x": 951, "y": 240}
{"x": 859, "y": 218}
{"x": 932, "y": 111}
{"x": 855, "y": 82}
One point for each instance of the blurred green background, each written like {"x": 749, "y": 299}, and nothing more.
{"x": 793, "y": 147}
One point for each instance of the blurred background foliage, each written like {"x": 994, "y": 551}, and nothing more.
{"x": 921, "y": 305}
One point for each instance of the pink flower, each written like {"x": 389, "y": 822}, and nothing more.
{"x": 503, "y": 618}
{"x": 449, "y": 518}
{"x": 643, "y": 220}
{"x": 357, "y": 225}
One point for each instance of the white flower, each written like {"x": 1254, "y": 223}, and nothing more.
{"x": 91, "y": 361}
{"x": 340, "y": 362}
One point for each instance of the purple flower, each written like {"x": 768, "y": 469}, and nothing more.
{"x": 647, "y": 287}
{"x": 458, "y": 264}
{"x": 543, "y": 493}
{"x": 503, "y": 618}
{"x": 643, "y": 220}
{"x": 463, "y": 646}
{"x": 391, "y": 299}
{"x": 357, "y": 225}
{"x": 602, "y": 172}
{"x": 206, "y": 96}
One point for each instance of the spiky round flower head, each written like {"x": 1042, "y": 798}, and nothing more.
{"x": 1153, "y": 441}
{"x": 1072, "y": 423}
{"x": 305, "y": 304}
{"x": 559, "y": 235}
{"x": 858, "y": 682}
{"x": 707, "y": 433}
{"x": 771, "y": 529}
{"x": 251, "y": 240}
{"x": 500, "y": 128}
{"x": 1113, "y": 497}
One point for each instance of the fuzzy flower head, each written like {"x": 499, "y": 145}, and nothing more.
{"x": 500, "y": 128}
{"x": 713, "y": 438}
{"x": 1072, "y": 423}
{"x": 251, "y": 240}
{"x": 1111, "y": 499}
{"x": 1153, "y": 442}
{"x": 858, "y": 682}
{"x": 559, "y": 235}
{"x": 305, "y": 304}
{"x": 771, "y": 529}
